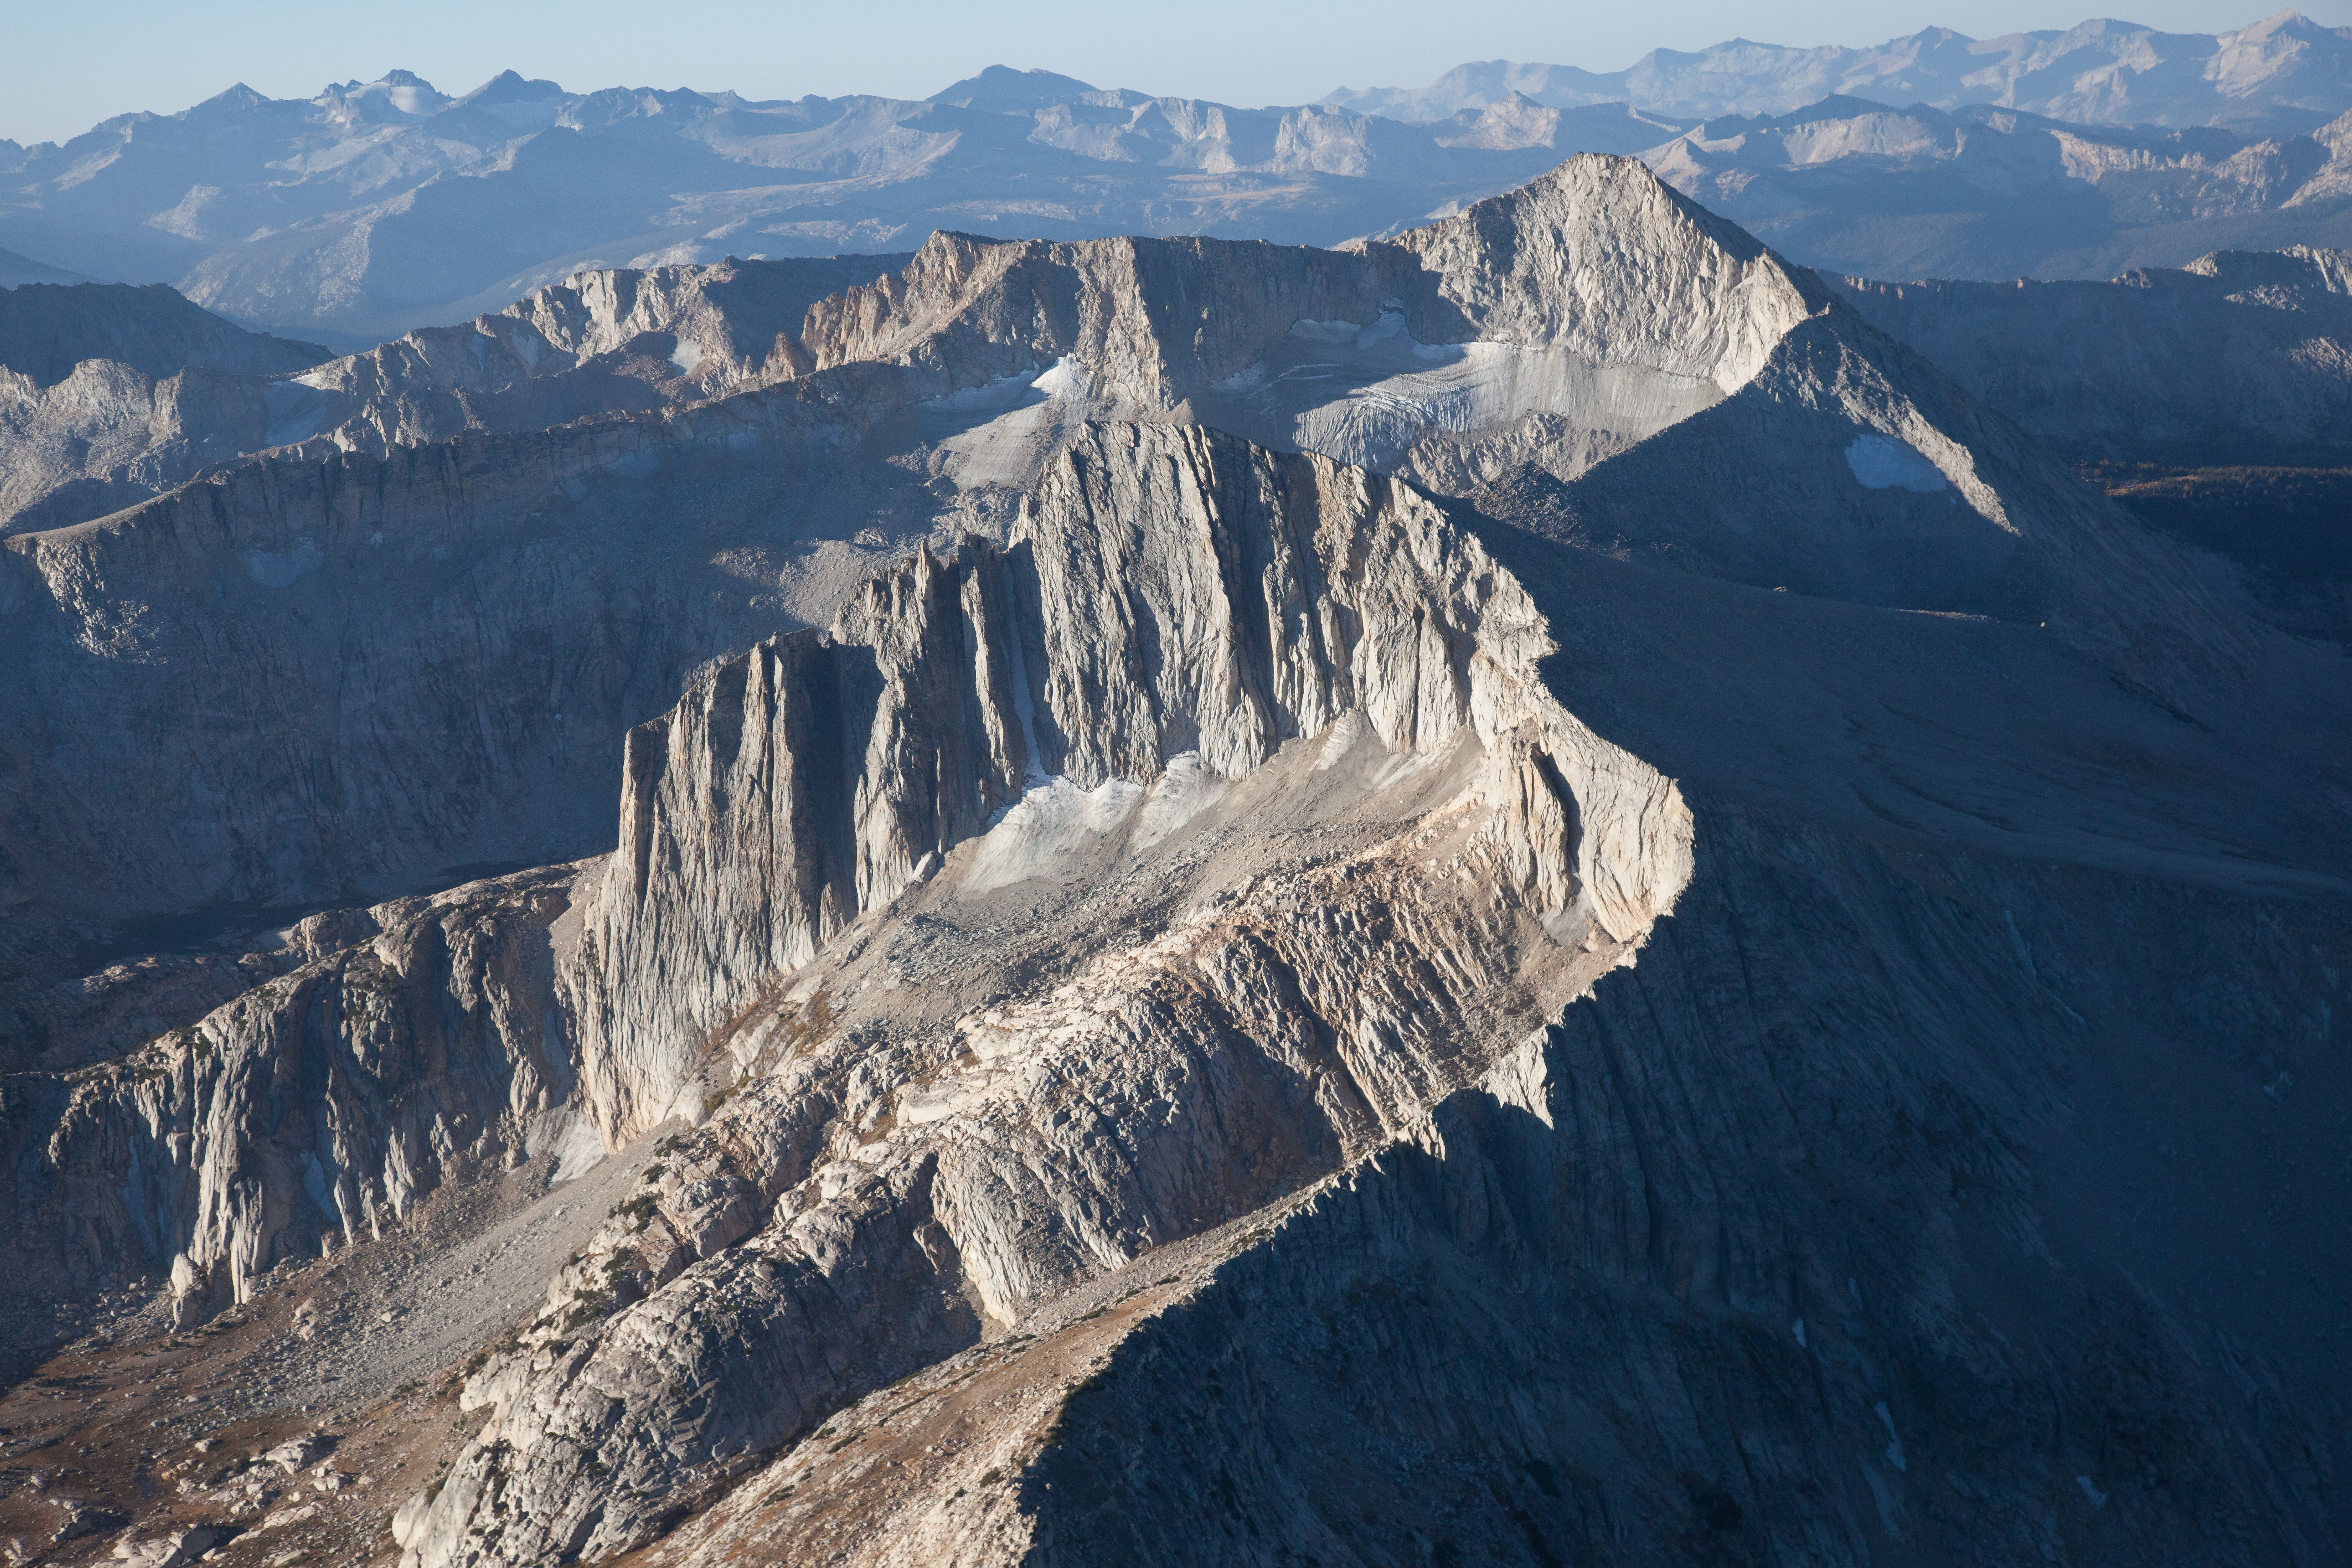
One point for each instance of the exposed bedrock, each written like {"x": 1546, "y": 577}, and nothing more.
{"x": 110, "y": 395}
{"x": 414, "y": 1042}
{"x": 1655, "y": 379}
{"x": 330, "y": 673}
{"x": 1559, "y": 264}
{"x": 1896, "y": 1207}
{"x": 1290, "y": 709}
{"x": 1168, "y": 592}
{"x": 609, "y": 341}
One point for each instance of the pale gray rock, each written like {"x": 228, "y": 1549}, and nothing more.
{"x": 1574, "y": 1058}
{"x": 450, "y": 632}
{"x": 1591, "y": 331}
{"x": 365, "y": 614}
{"x": 1218, "y": 653}
{"x": 1730, "y": 1203}
{"x": 174, "y": 1551}
{"x": 1848, "y": 186}
{"x": 111, "y": 394}
{"x": 1167, "y": 593}
{"x": 426, "y": 1045}
{"x": 377, "y": 209}
{"x": 2286, "y": 72}
{"x": 600, "y": 343}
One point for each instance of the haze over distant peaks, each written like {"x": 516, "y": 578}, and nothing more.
{"x": 2285, "y": 73}
{"x": 379, "y": 206}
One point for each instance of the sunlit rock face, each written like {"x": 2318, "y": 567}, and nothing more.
{"x": 1517, "y": 893}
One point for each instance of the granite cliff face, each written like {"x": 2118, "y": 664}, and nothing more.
{"x": 1167, "y": 593}
{"x": 392, "y": 664}
{"x": 1211, "y": 650}
{"x": 1595, "y": 330}
{"x": 1592, "y": 339}
{"x": 398, "y": 1047}
{"x": 1521, "y": 892}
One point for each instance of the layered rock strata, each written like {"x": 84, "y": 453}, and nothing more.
{"x": 1217, "y": 652}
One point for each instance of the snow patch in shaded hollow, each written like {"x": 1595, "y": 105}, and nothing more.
{"x": 283, "y": 568}
{"x": 1884, "y": 465}
{"x": 1044, "y": 825}
{"x": 1066, "y": 377}
{"x": 296, "y": 410}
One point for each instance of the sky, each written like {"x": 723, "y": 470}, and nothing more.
{"x": 66, "y": 66}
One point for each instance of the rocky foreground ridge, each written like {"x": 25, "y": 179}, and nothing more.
{"x": 1524, "y": 894}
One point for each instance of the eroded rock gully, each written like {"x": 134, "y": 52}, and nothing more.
{"x": 1215, "y": 652}
{"x": 414, "y": 1042}
{"x": 1155, "y": 1035}
{"x": 497, "y": 610}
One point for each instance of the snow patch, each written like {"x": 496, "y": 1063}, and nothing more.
{"x": 1186, "y": 789}
{"x": 283, "y": 568}
{"x": 1066, "y": 377}
{"x": 1003, "y": 391}
{"x": 1882, "y": 464}
{"x": 1044, "y": 826}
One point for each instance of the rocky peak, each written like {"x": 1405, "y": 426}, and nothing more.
{"x": 1603, "y": 259}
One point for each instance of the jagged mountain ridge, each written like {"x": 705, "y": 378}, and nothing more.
{"x": 1848, "y": 186}
{"x": 359, "y": 219}
{"x": 1483, "y": 370}
{"x": 1001, "y": 1121}
{"x": 120, "y": 428}
{"x": 1498, "y": 348}
{"x": 600, "y": 343}
{"x": 378, "y": 208}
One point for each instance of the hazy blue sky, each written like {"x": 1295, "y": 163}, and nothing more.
{"x": 65, "y": 67}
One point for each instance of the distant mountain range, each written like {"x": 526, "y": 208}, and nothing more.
{"x": 2280, "y": 75}
{"x": 381, "y": 206}
{"x": 1849, "y": 185}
